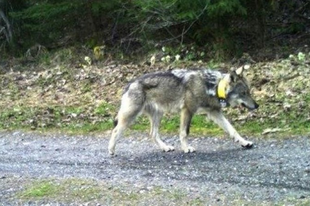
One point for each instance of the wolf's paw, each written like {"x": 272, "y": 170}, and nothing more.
{"x": 189, "y": 149}
{"x": 111, "y": 149}
{"x": 167, "y": 148}
{"x": 112, "y": 152}
{"x": 247, "y": 145}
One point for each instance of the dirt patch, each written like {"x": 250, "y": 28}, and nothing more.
{"x": 219, "y": 173}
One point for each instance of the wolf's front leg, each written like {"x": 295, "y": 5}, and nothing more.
{"x": 186, "y": 117}
{"x": 219, "y": 119}
{"x": 155, "y": 117}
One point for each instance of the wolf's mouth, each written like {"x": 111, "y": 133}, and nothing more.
{"x": 249, "y": 108}
{"x": 242, "y": 104}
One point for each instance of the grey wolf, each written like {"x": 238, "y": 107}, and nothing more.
{"x": 186, "y": 92}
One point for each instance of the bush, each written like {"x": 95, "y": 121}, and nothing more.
{"x": 226, "y": 27}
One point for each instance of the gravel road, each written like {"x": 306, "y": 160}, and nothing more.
{"x": 272, "y": 172}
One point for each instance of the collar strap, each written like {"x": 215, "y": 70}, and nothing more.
{"x": 221, "y": 88}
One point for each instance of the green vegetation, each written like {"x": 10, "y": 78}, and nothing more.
{"x": 170, "y": 124}
{"x": 52, "y": 190}
{"x": 81, "y": 191}
{"x": 224, "y": 28}
{"x": 71, "y": 120}
{"x": 71, "y": 59}
{"x": 85, "y": 99}
{"x": 85, "y": 190}
{"x": 39, "y": 190}
{"x": 68, "y": 119}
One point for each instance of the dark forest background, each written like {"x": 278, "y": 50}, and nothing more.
{"x": 221, "y": 28}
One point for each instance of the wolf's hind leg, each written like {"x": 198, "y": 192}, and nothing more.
{"x": 219, "y": 119}
{"x": 116, "y": 134}
{"x": 155, "y": 118}
{"x": 125, "y": 116}
{"x": 186, "y": 117}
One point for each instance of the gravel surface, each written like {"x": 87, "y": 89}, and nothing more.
{"x": 220, "y": 171}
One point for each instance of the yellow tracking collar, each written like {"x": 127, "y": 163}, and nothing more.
{"x": 221, "y": 88}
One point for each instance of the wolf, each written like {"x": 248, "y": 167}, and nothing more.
{"x": 186, "y": 91}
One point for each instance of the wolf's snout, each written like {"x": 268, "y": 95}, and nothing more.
{"x": 256, "y": 105}
{"x": 251, "y": 106}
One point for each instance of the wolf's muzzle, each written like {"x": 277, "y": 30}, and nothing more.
{"x": 255, "y": 106}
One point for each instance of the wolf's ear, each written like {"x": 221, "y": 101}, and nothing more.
{"x": 239, "y": 71}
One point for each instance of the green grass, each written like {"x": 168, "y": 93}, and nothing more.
{"x": 171, "y": 124}
{"x": 87, "y": 119}
{"x": 79, "y": 120}
{"x": 40, "y": 189}
{"x": 201, "y": 126}
{"x": 69, "y": 119}
{"x": 82, "y": 191}
{"x": 61, "y": 190}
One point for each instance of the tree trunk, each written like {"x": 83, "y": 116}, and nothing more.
{"x": 6, "y": 29}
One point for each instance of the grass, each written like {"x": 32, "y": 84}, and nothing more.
{"x": 71, "y": 103}
{"x": 201, "y": 126}
{"x": 71, "y": 119}
{"x": 85, "y": 119}
{"x": 81, "y": 191}
{"x": 61, "y": 190}
{"x": 171, "y": 124}
{"x": 39, "y": 190}
{"x": 88, "y": 191}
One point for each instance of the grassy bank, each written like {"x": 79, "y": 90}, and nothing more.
{"x": 87, "y": 191}
{"x": 73, "y": 120}
{"x": 61, "y": 92}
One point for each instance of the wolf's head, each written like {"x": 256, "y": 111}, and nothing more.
{"x": 238, "y": 91}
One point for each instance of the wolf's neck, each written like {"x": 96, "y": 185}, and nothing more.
{"x": 222, "y": 87}
{"x": 212, "y": 79}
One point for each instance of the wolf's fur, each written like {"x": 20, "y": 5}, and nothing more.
{"x": 184, "y": 91}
